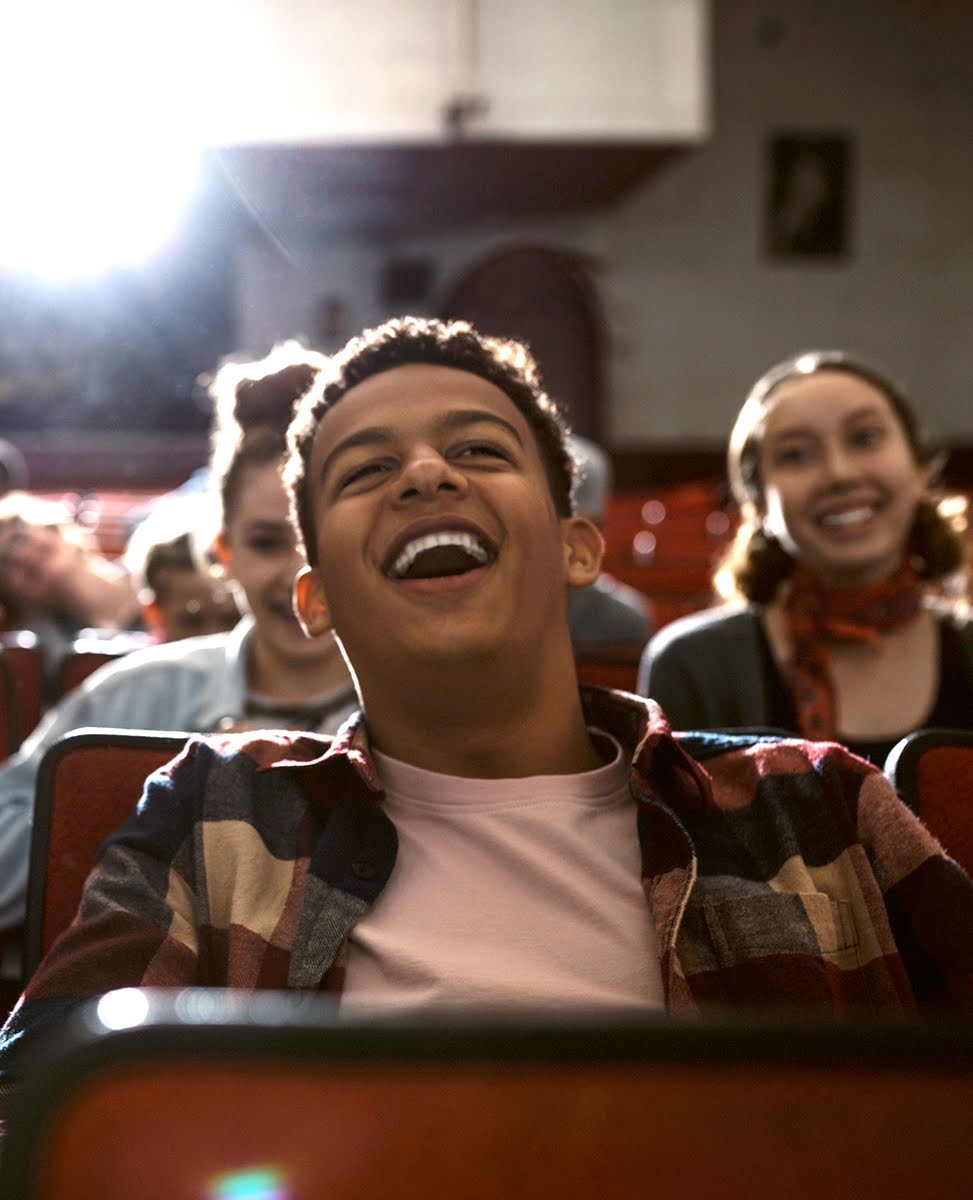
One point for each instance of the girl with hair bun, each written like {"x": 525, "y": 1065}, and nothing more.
{"x": 263, "y": 673}
{"x": 846, "y": 587}
{"x": 291, "y": 680}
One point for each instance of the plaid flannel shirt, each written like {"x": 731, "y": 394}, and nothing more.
{"x": 779, "y": 874}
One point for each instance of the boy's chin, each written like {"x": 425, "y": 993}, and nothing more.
{"x": 462, "y": 650}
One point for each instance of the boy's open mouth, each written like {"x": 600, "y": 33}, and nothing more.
{"x": 444, "y": 553}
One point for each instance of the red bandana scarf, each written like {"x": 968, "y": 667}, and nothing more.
{"x": 817, "y": 614}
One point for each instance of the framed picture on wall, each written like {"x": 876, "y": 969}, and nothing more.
{"x": 808, "y": 196}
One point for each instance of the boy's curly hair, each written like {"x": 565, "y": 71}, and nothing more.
{"x": 406, "y": 340}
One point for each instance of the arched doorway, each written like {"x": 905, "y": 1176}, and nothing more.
{"x": 545, "y": 297}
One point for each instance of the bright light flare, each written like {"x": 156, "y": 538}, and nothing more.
{"x": 77, "y": 210}
{"x": 97, "y": 153}
{"x": 257, "y": 1183}
{"x": 123, "y": 1009}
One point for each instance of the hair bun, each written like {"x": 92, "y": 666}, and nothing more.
{"x": 262, "y": 394}
{"x": 270, "y": 400}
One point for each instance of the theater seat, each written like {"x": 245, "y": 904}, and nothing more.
{"x": 89, "y": 652}
{"x": 21, "y": 688}
{"x": 88, "y": 782}
{"x": 211, "y": 1094}
{"x": 609, "y": 665}
{"x": 932, "y": 771}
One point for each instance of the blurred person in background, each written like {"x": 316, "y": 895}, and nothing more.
{"x": 607, "y": 611}
{"x": 847, "y": 615}
{"x": 54, "y": 581}
{"x": 262, "y": 673}
{"x": 181, "y": 588}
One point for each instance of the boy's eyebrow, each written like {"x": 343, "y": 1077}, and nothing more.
{"x": 458, "y": 418}
{"x": 380, "y": 435}
{"x": 372, "y": 435}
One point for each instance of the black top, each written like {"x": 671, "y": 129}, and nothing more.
{"x": 952, "y": 708}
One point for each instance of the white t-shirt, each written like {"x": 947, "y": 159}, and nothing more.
{"x": 509, "y": 893}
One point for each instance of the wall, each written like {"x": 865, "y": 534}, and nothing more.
{"x": 698, "y": 312}
{"x": 695, "y": 308}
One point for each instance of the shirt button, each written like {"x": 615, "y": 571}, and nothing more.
{"x": 361, "y": 868}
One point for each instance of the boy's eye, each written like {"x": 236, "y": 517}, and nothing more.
{"x": 480, "y": 450}
{"x": 361, "y": 473}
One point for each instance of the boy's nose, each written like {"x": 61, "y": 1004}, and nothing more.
{"x": 427, "y": 473}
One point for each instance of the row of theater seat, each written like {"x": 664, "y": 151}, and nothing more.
{"x": 23, "y": 692}
{"x": 22, "y": 698}
{"x": 686, "y": 526}
{"x": 665, "y": 543}
{"x": 213, "y": 1095}
{"x": 662, "y": 541}
{"x": 90, "y": 781}
{"x": 217, "y": 1092}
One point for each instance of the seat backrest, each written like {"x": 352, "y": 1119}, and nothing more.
{"x": 21, "y": 688}
{"x": 87, "y": 654}
{"x": 609, "y": 665}
{"x": 88, "y": 783}
{"x": 9, "y": 735}
{"x": 932, "y": 771}
{"x": 290, "y": 1104}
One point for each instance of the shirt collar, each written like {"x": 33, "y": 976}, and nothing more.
{"x": 660, "y": 766}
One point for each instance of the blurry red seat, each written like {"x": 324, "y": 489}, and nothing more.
{"x": 213, "y": 1094}
{"x": 88, "y": 783}
{"x": 88, "y": 653}
{"x": 21, "y": 688}
{"x": 932, "y": 770}
{"x": 609, "y": 665}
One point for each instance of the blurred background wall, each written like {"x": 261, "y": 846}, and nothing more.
{"x": 803, "y": 179}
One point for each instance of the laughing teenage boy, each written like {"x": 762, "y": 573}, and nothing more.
{"x": 487, "y": 835}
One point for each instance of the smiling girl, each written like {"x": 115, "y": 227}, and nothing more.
{"x": 846, "y": 582}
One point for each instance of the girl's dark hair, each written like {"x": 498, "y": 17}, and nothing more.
{"x": 756, "y": 564}
{"x": 405, "y": 340}
{"x": 253, "y": 406}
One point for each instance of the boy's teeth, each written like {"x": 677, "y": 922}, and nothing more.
{"x": 852, "y": 516}
{"x": 429, "y": 541}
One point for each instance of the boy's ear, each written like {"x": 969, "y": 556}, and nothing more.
{"x": 584, "y": 548}
{"x": 311, "y": 603}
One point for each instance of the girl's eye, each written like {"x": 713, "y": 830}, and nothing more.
{"x": 867, "y": 435}
{"x": 791, "y": 456}
{"x": 268, "y": 545}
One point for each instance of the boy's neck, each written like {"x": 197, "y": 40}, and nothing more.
{"x": 498, "y": 725}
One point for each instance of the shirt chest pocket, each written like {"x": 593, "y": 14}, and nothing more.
{"x": 809, "y": 924}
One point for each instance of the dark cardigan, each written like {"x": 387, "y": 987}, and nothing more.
{"x": 712, "y": 670}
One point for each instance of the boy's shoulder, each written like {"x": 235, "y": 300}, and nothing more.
{"x": 263, "y": 749}
{"x": 759, "y": 769}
